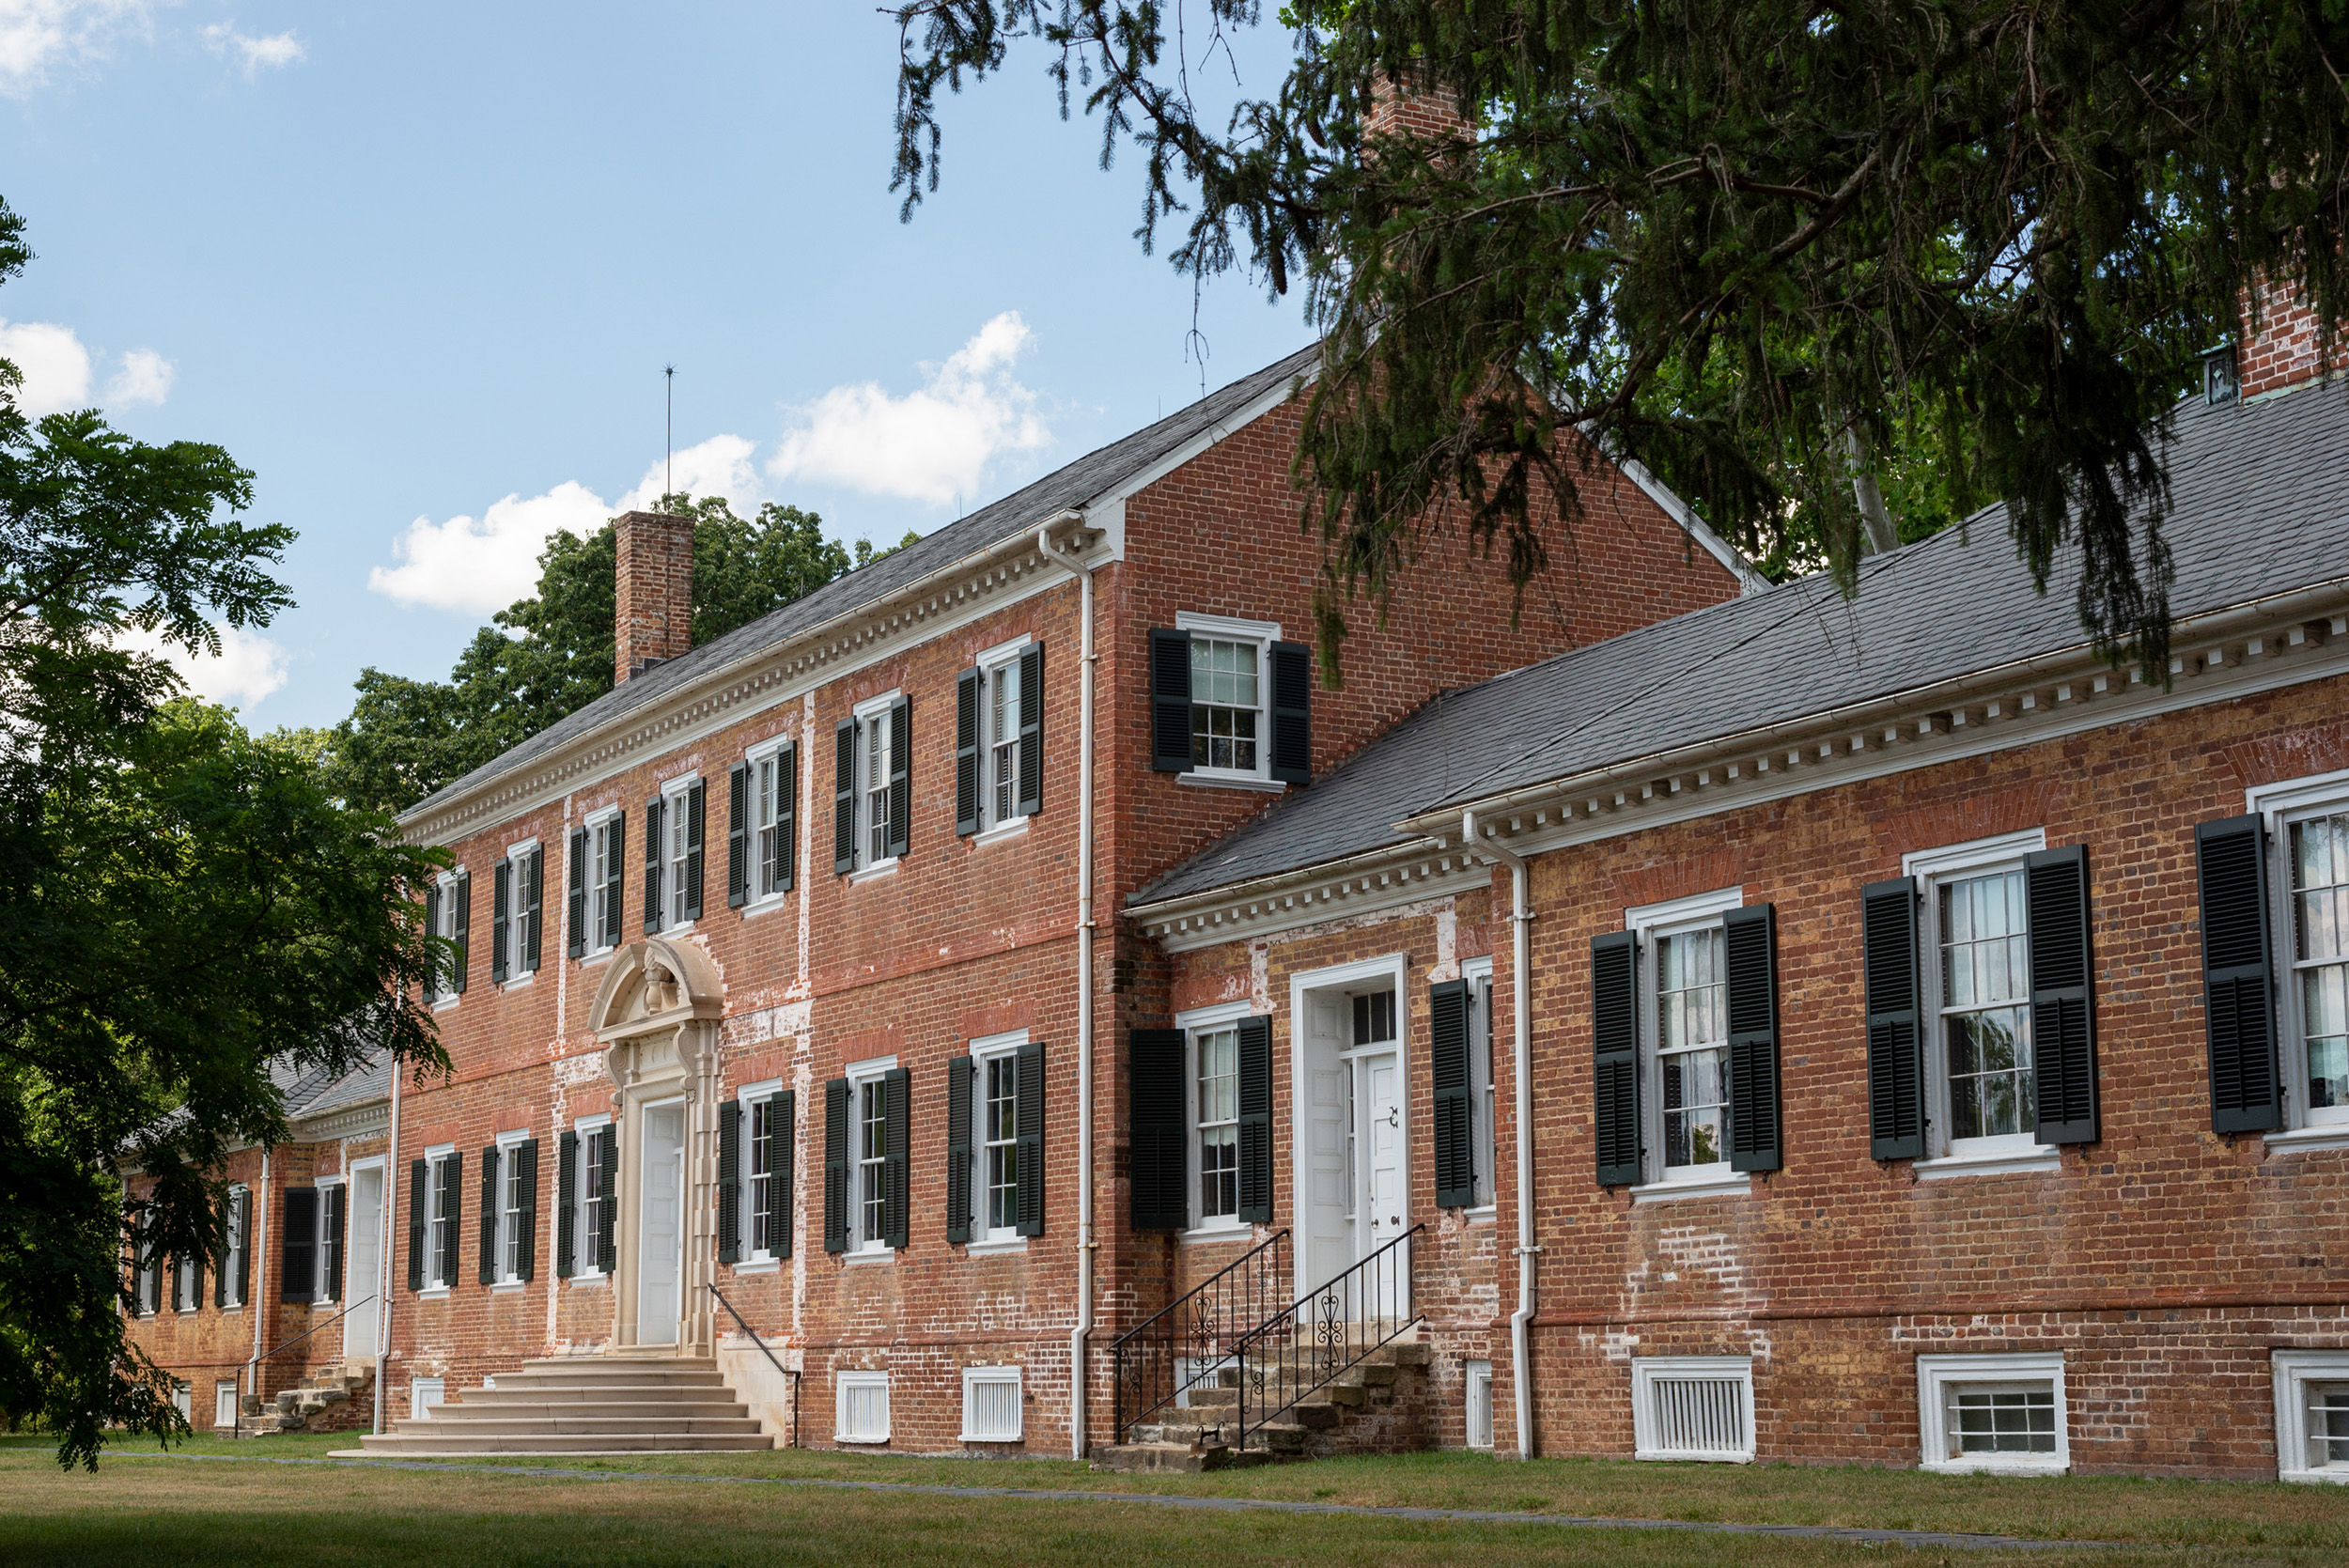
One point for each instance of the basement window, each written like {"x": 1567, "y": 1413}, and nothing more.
{"x": 1693, "y": 1407}
{"x": 991, "y": 1405}
{"x": 2312, "y": 1415}
{"x": 1998, "y": 1414}
{"x": 861, "y": 1407}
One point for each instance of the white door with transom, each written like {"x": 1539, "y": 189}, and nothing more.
{"x": 659, "y": 1256}
{"x": 363, "y": 1270}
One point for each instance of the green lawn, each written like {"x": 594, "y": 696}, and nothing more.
{"x": 205, "y": 1511}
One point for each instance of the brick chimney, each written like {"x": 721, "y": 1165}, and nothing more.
{"x": 1407, "y": 109}
{"x": 2282, "y": 352}
{"x": 655, "y": 591}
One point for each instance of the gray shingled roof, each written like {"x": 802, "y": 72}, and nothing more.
{"x": 371, "y": 1080}
{"x": 1075, "y": 485}
{"x": 2259, "y": 505}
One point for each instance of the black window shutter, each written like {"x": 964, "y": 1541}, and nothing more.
{"x": 1032, "y": 730}
{"x": 958, "y": 1149}
{"x": 220, "y": 1275}
{"x": 533, "y": 907}
{"x": 652, "y": 864}
{"x": 432, "y": 929}
{"x": 1029, "y": 1106}
{"x": 1256, "y": 1119}
{"x": 696, "y": 813}
{"x": 1615, "y": 1056}
{"x": 896, "y": 1156}
{"x": 489, "y": 1214}
{"x": 737, "y": 835}
{"x": 1170, "y": 701}
{"x": 179, "y": 1271}
{"x": 296, "y": 1257}
{"x": 969, "y": 687}
{"x": 501, "y": 899}
{"x": 786, "y": 819}
{"x": 419, "y": 1197}
{"x": 244, "y": 1245}
{"x": 1156, "y": 1134}
{"x": 2063, "y": 1008}
{"x": 579, "y": 893}
{"x": 1292, "y": 713}
{"x": 565, "y": 1204}
{"x": 1453, "y": 1107}
{"x": 338, "y": 1223}
{"x": 452, "y": 1205}
{"x": 1749, "y": 943}
{"x": 609, "y": 1209}
{"x": 781, "y": 1168}
{"x": 526, "y": 1152}
{"x": 618, "y": 881}
{"x": 844, "y": 798}
{"x": 465, "y": 929}
{"x": 836, "y": 1165}
{"x": 2238, "y": 1014}
{"x": 900, "y": 776}
{"x": 731, "y": 1182}
{"x": 1896, "y": 1074}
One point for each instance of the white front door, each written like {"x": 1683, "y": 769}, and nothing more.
{"x": 660, "y": 1231}
{"x": 1383, "y": 1202}
{"x": 362, "y": 1271}
{"x": 1326, "y": 1175}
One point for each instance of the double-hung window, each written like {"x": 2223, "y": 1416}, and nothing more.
{"x": 1683, "y": 1032}
{"x": 2319, "y": 848}
{"x": 872, "y": 1154}
{"x": 236, "y": 1259}
{"x": 769, "y": 1210}
{"x": 334, "y": 1212}
{"x": 868, "y": 1157}
{"x": 755, "y": 1175}
{"x": 448, "y": 914}
{"x": 872, "y": 796}
{"x": 592, "y": 1163}
{"x": 673, "y": 855}
{"x": 1215, "y": 1078}
{"x": 187, "y": 1285}
{"x": 1227, "y": 727}
{"x": 597, "y": 876}
{"x": 1480, "y": 998}
{"x": 516, "y": 904}
{"x": 1230, "y": 704}
{"x": 999, "y": 738}
{"x": 995, "y": 1141}
{"x": 999, "y": 1145}
{"x": 517, "y": 1204}
{"x": 770, "y": 807}
{"x": 444, "y": 1171}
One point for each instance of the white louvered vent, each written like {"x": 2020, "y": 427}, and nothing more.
{"x": 861, "y": 1407}
{"x": 1693, "y": 1407}
{"x": 990, "y": 1405}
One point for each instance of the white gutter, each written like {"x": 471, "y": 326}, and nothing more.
{"x": 1520, "y": 958}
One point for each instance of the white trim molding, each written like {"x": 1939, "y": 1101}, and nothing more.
{"x": 1666, "y": 1427}
{"x": 2295, "y": 1370}
{"x": 1937, "y": 1375}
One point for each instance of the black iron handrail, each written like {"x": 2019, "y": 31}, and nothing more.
{"x": 236, "y": 1426}
{"x": 770, "y": 1359}
{"x": 1200, "y": 1325}
{"x": 1324, "y": 1334}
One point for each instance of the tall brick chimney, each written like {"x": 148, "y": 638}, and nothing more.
{"x": 655, "y": 590}
{"x": 2282, "y": 352}
{"x": 1408, "y": 109}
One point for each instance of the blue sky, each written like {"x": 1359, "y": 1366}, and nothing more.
{"x": 419, "y": 268}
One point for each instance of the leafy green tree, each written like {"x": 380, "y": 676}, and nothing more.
{"x": 1756, "y": 244}
{"x": 180, "y": 903}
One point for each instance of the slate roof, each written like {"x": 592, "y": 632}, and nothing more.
{"x": 2260, "y": 504}
{"x": 1075, "y": 485}
{"x": 371, "y": 1080}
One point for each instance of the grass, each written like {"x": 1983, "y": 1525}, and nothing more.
{"x": 206, "y": 1512}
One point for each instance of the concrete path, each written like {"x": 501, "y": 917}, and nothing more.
{"x": 1226, "y": 1505}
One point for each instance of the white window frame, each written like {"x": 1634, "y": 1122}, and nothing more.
{"x": 750, "y": 1097}
{"x": 883, "y": 709}
{"x": 842, "y": 1382}
{"x": 586, "y": 1231}
{"x": 1207, "y": 1020}
{"x": 1647, "y": 1436}
{"x": 183, "y": 1399}
{"x": 434, "y": 1220}
{"x": 509, "y": 1214}
{"x": 225, "y": 1400}
{"x": 182, "y": 1274}
{"x": 149, "y": 1264}
{"x": 673, "y": 852}
{"x": 597, "y": 825}
{"x": 326, "y": 1187}
{"x": 1947, "y": 1157}
{"x": 516, "y": 855}
{"x": 424, "y": 1395}
{"x": 2280, "y": 805}
{"x": 232, "y": 1299}
{"x": 765, "y": 762}
{"x": 999, "y": 1377}
{"x": 2294, "y": 1370}
{"x": 1477, "y": 1380}
{"x": 445, "y": 995}
{"x": 986, "y": 1236}
{"x": 1263, "y": 634}
{"x": 1652, "y": 924}
{"x": 1485, "y": 1137}
{"x": 991, "y": 666}
{"x": 869, "y": 1075}
{"x": 1938, "y": 1374}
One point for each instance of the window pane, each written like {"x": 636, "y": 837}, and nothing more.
{"x": 1985, "y": 991}
{"x": 2328, "y": 1424}
{"x": 2002, "y": 1421}
{"x": 1218, "y": 1130}
{"x": 2320, "y": 902}
{"x": 1374, "y": 1018}
{"x": 1000, "y": 1120}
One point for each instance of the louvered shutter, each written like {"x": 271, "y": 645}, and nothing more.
{"x": 489, "y": 1214}
{"x": 1454, "y": 1103}
{"x": 1031, "y": 731}
{"x": 533, "y": 907}
{"x": 464, "y": 930}
{"x": 578, "y": 945}
{"x": 609, "y": 1209}
{"x": 844, "y": 798}
{"x": 695, "y": 815}
{"x": 1029, "y": 1105}
{"x": 244, "y": 1245}
{"x": 1170, "y": 701}
{"x": 336, "y": 1227}
{"x": 1749, "y": 951}
{"x": 2062, "y": 1007}
{"x": 227, "y": 1232}
{"x": 1896, "y": 1074}
{"x": 453, "y": 1206}
{"x": 565, "y": 1204}
{"x": 900, "y": 776}
{"x": 1156, "y": 1134}
{"x": 653, "y": 811}
{"x": 783, "y": 1166}
{"x": 419, "y": 1197}
{"x": 297, "y": 1255}
{"x": 731, "y": 1182}
{"x": 785, "y": 871}
{"x": 526, "y": 1154}
{"x": 959, "y": 1158}
{"x": 1292, "y": 713}
{"x": 618, "y": 881}
{"x": 1615, "y": 1057}
{"x": 501, "y": 897}
{"x": 2238, "y": 954}
{"x": 970, "y": 688}
{"x": 432, "y": 929}
{"x": 1256, "y": 1119}
{"x": 179, "y": 1272}
{"x": 836, "y": 1165}
{"x": 737, "y": 835}
{"x": 896, "y": 1156}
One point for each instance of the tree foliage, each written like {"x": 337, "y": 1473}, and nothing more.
{"x": 1766, "y": 246}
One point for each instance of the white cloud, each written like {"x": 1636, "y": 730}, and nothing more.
{"x": 36, "y": 35}
{"x": 146, "y": 376}
{"x": 54, "y": 365}
{"x": 480, "y": 566}
{"x": 720, "y": 466}
{"x": 932, "y": 445}
{"x": 248, "y": 669}
{"x": 255, "y": 55}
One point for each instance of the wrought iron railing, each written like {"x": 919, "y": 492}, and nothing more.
{"x": 1322, "y": 1334}
{"x": 1188, "y": 1342}
{"x": 753, "y": 1335}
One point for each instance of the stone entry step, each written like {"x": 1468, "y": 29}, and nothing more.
{"x": 586, "y": 1405}
{"x": 1376, "y": 1405}
{"x": 335, "y": 1398}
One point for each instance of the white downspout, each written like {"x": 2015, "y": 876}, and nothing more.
{"x": 1522, "y": 989}
{"x": 256, "y": 1247}
{"x": 383, "y": 1250}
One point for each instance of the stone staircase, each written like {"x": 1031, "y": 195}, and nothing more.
{"x": 1378, "y": 1405}
{"x": 336, "y": 1398}
{"x": 586, "y": 1405}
